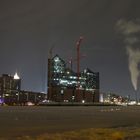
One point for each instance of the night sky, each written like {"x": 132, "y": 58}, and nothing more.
{"x": 29, "y": 28}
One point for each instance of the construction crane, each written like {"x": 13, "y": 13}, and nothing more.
{"x": 50, "y": 72}
{"x": 73, "y": 60}
{"x": 78, "y": 62}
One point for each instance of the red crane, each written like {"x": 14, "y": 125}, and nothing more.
{"x": 73, "y": 60}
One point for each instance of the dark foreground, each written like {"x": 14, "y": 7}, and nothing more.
{"x": 18, "y": 121}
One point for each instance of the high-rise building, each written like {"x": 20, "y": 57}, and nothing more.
{"x": 9, "y": 88}
{"x": 65, "y": 86}
{"x": 11, "y": 93}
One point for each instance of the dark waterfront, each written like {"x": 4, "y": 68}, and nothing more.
{"x": 35, "y": 120}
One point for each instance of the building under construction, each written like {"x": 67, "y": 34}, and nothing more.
{"x": 65, "y": 85}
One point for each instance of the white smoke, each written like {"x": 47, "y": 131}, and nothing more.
{"x": 128, "y": 27}
{"x": 134, "y": 60}
{"x": 130, "y": 31}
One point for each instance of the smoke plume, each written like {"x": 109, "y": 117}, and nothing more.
{"x": 134, "y": 60}
{"x": 130, "y": 30}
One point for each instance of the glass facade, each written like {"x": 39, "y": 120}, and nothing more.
{"x": 65, "y": 77}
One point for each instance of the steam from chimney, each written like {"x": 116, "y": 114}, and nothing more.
{"x": 134, "y": 60}
{"x": 130, "y": 30}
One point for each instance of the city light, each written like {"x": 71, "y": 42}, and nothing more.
{"x": 83, "y": 101}
{"x": 16, "y": 77}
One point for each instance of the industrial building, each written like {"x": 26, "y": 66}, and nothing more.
{"x": 65, "y": 85}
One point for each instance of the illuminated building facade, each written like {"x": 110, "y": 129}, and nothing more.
{"x": 9, "y": 88}
{"x": 11, "y": 93}
{"x": 64, "y": 86}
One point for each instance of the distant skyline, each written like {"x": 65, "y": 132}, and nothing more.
{"x": 29, "y": 28}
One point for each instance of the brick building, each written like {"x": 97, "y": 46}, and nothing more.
{"x": 65, "y": 86}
